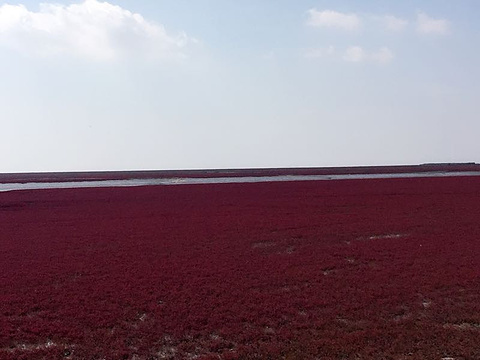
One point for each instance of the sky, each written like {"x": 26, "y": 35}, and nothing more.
{"x": 175, "y": 84}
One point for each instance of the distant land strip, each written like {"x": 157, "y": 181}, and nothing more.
{"x": 247, "y": 172}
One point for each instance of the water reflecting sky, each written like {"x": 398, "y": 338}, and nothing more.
{"x": 217, "y": 180}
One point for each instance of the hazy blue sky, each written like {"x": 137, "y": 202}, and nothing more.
{"x": 223, "y": 83}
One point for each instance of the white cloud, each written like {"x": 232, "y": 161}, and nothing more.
{"x": 393, "y": 23}
{"x": 333, "y": 19}
{"x": 428, "y": 25}
{"x": 91, "y": 29}
{"x": 357, "y": 54}
{"x": 316, "y": 53}
{"x": 382, "y": 56}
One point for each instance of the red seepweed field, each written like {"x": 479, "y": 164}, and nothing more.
{"x": 351, "y": 269}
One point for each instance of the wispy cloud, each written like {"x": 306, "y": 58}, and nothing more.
{"x": 352, "y": 54}
{"x": 428, "y": 25}
{"x": 394, "y": 23}
{"x": 351, "y": 21}
{"x": 357, "y": 54}
{"x": 316, "y": 53}
{"x": 333, "y": 19}
{"x": 382, "y": 56}
{"x": 92, "y": 30}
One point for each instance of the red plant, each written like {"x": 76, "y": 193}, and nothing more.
{"x": 337, "y": 269}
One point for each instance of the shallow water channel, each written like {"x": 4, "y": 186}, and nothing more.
{"x": 217, "y": 180}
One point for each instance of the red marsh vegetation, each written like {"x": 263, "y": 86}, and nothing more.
{"x": 352, "y": 269}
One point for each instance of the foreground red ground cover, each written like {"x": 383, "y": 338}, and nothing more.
{"x": 366, "y": 269}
